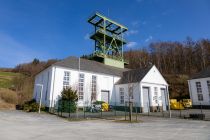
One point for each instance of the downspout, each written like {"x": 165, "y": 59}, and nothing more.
{"x": 139, "y": 97}
{"x": 114, "y": 92}
{"x": 53, "y": 88}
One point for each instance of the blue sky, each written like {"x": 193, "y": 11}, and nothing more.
{"x": 46, "y": 29}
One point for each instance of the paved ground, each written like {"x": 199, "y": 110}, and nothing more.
{"x": 17, "y": 125}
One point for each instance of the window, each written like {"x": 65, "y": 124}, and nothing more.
{"x": 208, "y": 85}
{"x": 130, "y": 92}
{"x": 48, "y": 75}
{"x": 122, "y": 96}
{"x": 66, "y": 79}
{"x": 200, "y": 97}
{"x": 81, "y": 86}
{"x": 155, "y": 97}
{"x": 93, "y": 87}
{"x": 198, "y": 87}
{"x": 199, "y": 91}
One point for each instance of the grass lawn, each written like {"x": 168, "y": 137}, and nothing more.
{"x": 6, "y": 79}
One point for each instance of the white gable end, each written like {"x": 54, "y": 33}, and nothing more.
{"x": 154, "y": 76}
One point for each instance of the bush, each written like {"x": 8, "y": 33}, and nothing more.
{"x": 67, "y": 103}
{"x": 8, "y": 96}
{"x": 98, "y": 102}
{"x": 66, "y": 106}
{"x": 32, "y": 106}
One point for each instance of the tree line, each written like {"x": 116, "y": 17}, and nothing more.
{"x": 186, "y": 57}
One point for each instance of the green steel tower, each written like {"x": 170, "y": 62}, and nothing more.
{"x": 109, "y": 40}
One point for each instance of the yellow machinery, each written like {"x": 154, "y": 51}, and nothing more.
{"x": 187, "y": 103}
{"x": 182, "y": 104}
{"x": 105, "y": 107}
{"x": 174, "y": 105}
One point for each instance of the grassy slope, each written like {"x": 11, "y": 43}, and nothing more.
{"x": 5, "y": 83}
{"x": 6, "y": 79}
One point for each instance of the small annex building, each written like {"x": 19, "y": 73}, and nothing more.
{"x": 199, "y": 89}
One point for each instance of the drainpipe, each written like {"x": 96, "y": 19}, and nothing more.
{"x": 53, "y": 88}
{"x": 139, "y": 97}
{"x": 168, "y": 101}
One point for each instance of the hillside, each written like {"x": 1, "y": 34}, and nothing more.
{"x": 6, "y": 79}
{"x": 8, "y": 98}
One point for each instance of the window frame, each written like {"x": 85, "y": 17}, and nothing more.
{"x": 122, "y": 95}
{"x": 93, "y": 87}
{"x": 198, "y": 87}
{"x": 208, "y": 86}
{"x": 81, "y": 82}
{"x": 155, "y": 97}
{"x": 66, "y": 79}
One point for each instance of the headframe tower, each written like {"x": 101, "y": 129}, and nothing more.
{"x": 109, "y": 40}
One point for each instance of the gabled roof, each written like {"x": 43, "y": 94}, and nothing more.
{"x": 203, "y": 74}
{"x": 90, "y": 65}
{"x": 133, "y": 76}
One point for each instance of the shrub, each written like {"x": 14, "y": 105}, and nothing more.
{"x": 67, "y": 106}
{"x": 69, "y": 94}
{"x": 98, "y": 102}
{"x": 32, "y": 106}
{"x": 67, "y": 103}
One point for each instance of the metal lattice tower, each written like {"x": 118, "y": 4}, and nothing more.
{"x": 109, "y": 40}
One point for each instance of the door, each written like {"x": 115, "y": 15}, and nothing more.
{"x": 164, "y": 99}
{"x": 105, "y": 96}
{"x": 146, "y": 103}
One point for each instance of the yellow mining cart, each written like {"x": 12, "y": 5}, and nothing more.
{"x": 105, "y": 107}
{"x": 174, "y": 105}
{"x": 187, "y": 103}
{"x": 182, "y": 104}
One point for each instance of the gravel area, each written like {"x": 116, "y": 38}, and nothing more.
{"x": 18, "y": 125}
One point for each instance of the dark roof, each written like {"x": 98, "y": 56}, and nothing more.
{"x": 90, "y": 65}
{"x": 133, "y": 76}
{"x": 203, "y": 74}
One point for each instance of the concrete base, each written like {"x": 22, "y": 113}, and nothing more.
{"x": 201, "y": 106}
{"x": 156, "y": 108}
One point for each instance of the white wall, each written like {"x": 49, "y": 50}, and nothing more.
{"x": 136, "y": 93}
{"x": 154, "y": 76}
{"x": 104, "y": 82}
{"x": 153, "y": 79}
{"x": 193, "y": 91}
{"x": 151, "y": 87}
{"x": 44, "y": 78}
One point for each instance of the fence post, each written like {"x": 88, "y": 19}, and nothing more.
{"x": 69, "y": 109}
{"x": 84, "y": 111}
{"x": 101, "y": 110}
{"x": 61, "y": 107}
{"x": 201, "y": 108}
{"x": 115, "y": 111}
{"x": 162, "y": 110}
{"x": 148, "y": 108}
{"x": 180, "y": 111}
{"x": 136, "y": 113}
{"x": 125, "y": 110}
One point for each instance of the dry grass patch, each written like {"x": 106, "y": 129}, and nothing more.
{"x": 4, "y": 105}
{"x": 8, "y": 96}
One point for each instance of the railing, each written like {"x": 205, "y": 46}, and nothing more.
{"x": 108, "y": 34}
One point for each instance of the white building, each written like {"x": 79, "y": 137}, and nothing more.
{"x": 199, "y": 88}
{"x": 96, "y": 81}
